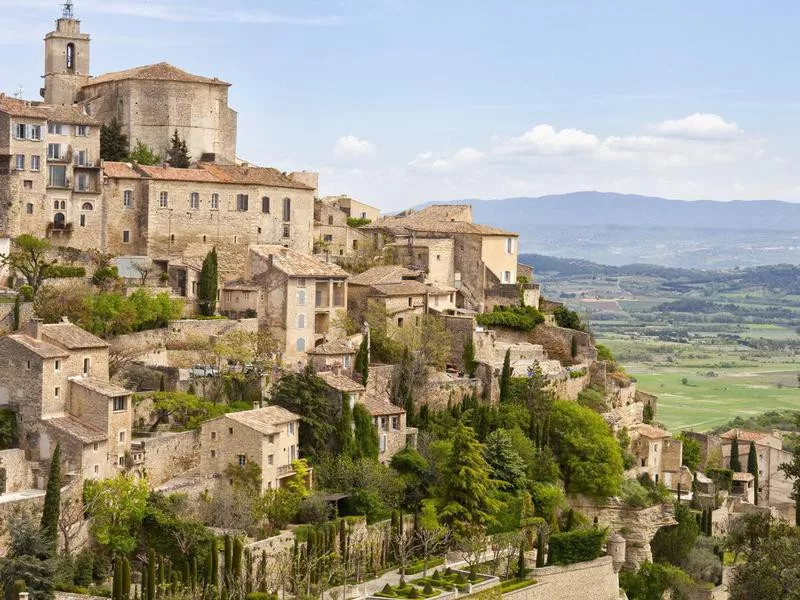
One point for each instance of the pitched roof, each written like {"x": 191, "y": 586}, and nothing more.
{"x": 651, "y": 432}
{"x": 105, "y": 388}
{"x": 383, "y": 274}
{"x": 295, "y": 264}
{"x": 743, "y": 477}
{"x": 332, "y": 348}
{"x": 37, "y": 110}
{"x": 744, "y": 436}
{"x": 441, "y": 218}
{"x": 248, "y": 175}
{"x": 407, "y": 288}
{"x": 120, "y": 170}
{"x": 378, "y": 407}
{"x": 40, "y": 347}
{"x": 158, "y": 72}
{"x": 265, "y": 420}
{"x": 340, "y": 382}
{"x": 75, "y": 428}
{"x": 173, "y": 174}
{"x": 71, "y": 336}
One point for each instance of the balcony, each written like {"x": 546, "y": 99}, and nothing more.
{"x": 60, "y": 183}
{"x": 77, "y": 163}
{"x": 64, "y": 155}
{"x": 285, "y": 471}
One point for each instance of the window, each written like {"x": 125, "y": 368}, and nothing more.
{"x": 399, "y": 321}
{"x": 95, "y": 446}
{"x": 330, "y": 220}
{"x": 271, "y": 459}
{"x": 213, "y": 454}
{"x": 57, "y": 392}
{"x": 301, "y": 282}
{"x": 82, "y": 220}
{"x": 57, "y": 176}
{"x": 126, "y": 236}
{"x": 35, "y": 132}
{"x": 301, "y": 321}
{"x": 242, "y": 460}
{"x": 119, "y": 403}
{"x": 346, "y": 362}
{"x": 54, "y": 151}
{"x": 301, "y": 297}
{"x": 28, "y": 366}
{"x": 327, "y": 237}
{"x": 163, "y": 199}
{"x": 36, "y": 162}
{"x": 286, "y": 231}
{"x": 54, "y": 128}
{"x": 82, "y": 158}
{"x": 271, "y": 438}
{"x": 506, "y": 276}
{"x": 121, "y": 437}
{"x": 410, "y": 301}
{"x": 241, "y": 202}
{"x": 287, "y": 209}
{"x": 59, "y": 221}
{"x": 29, "y": 208}
{"x": 82, "y": 130}
{"x": 395, "y": 422}
{"x": 87, "y": 206}
{"x": 509, "y": 245}
{"x": 121, "y": 460}
{"x": 230, "y": 430}
{"x": 265, "y": 205}
{"x": 86, "y": 363}
{"x": 21, "y": 131}
{"x": 194, "y": 200}
{"x": 355, "y": 244}
{"x": 70, "y": 57}
{"x": 290, "y": 429}
{"x": 81, "y": 182}
{"x": 96, "y": 469}
{"x": 363, "y": 215}
{"x": 19, "y": 162}
{"x": 300, "y": 345}
{"x": 383, "y": 442}
{"x": 214, "y": 201}
{"x": 57, "y": 365}
{"x": 213, "y": 435}
{"x": 27, "y": 184}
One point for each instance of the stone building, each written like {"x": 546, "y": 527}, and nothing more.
{"x": 55, "y": 377}
{"x": 660, "y": 456}
{"x": 484, "y": 259}
{"x": 299, "y": 298}
{"x": 332, "y": 234}
{"x": 333, "y": 355}
{"x": 770, "y": 453}
{"x": 268, "y": 437}
{"x": 352, "y": 208}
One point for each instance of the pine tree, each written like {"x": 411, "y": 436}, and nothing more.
{"x": 505, "y": 377}
{"x": 207, "y": 286}
{"x": 113, "y": 143}
{"x": 52, "y": 501}
{"x": 469, "y": 357}
{"x": 506, "y": 463}
{"x": 347, "y": 443}
{"x": 752, "y": 467}
{"x": 178, "y": 153}
{"x": 362, "y": 361}
{"x": 736, "y": 464}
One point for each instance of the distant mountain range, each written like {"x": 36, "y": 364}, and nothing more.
{"x": 618, "y": 229}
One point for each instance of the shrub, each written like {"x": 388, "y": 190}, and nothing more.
{"x": 635, "y": 494}
{"x": 567, "y": 318}
{"x": 257, "y": 596}
{"x": 579, "y": 545}
{"x": 428, "y": 589}
{"x": 27, "y": 293}
{"x": 387, "y": 589}
{"x": 460, "y": 579}
{"x": 436, "y": 575}
{"x": 358, "y": 221}
{"x": 412, "y": 593}
{"x": 64, "y": 271}
{"x": 523, "y": 318}
{"x": 722, "y": 478}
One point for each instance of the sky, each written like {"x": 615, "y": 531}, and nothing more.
{"x": 399, "y": 102}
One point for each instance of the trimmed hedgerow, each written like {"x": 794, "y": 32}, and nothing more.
{"x": 578, "y": 545}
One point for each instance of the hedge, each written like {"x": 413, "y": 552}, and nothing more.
{"x": 64, "y": 271}
{"x": 523, "y": 318}
{"x": 515, "y": 584}
{"x": 418, "y": 567}
{"x": 579, "y": 545}
{"x": 722, "y": 478}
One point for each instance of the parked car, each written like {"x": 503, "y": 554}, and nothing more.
{"x": 203, "y": 371}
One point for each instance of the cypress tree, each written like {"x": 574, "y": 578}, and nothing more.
{"x": 236, "y": 564}
{"x": 735, "y": 464}
{"x": 113, "y": 143}
{"x": 126, "y": 578}
{"x": 144, "y": 583}
{"x": 362, "y": 361}
{"x": 368, "y": 445}
{"x": 752, "y": 468}
{"x": 469, "y": 357}
{"x": 214, "y": 564}
{"x": 207, "y": 285}
{"x": 347, "y": 443}
{"x": 15, "y": 314}
{"x": 151, "y": 575}
{"x": 228, "y": 566}
{"x": 505, "y": 377}
{"x": 703, "y": 517}
{"x": 52, "y": 501}
{"x": 573, "y": 348}
{"x": 193, "y": 572}
{"x": 539, "y": 550}
{"x": 521, "y": 562}
{"x": 116, "y": 582}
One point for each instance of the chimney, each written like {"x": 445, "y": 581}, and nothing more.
{"x": 65, "y": 319}
{"x": 34, "y": 328}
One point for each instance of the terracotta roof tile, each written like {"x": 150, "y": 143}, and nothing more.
{"x": 71, "y": 336}
{"x": 101, "y": 387}
{"x": 75, "y": 428}
{"x": 37, "y": 110}
{"x": 158, "y": 72}
{"x": 248, "y": 175}
{"x": 407, "y": 288}
{"x": 651, "y": 432}
{"x": 378, "y": 407}
{"x": 173, "y": 174}
{"x": 340, "y": 382}
{"x": 745, "y": 436}
{"x": 120, "y": 170}
{"x": 239, "y": 284}
{"x": 266, "y": 420}
{"x": 40, "y": 347}
{"x": 383, "y": 274}
{"x": 332, "y": 348}
{"x": 295, "y": 264}
{"x": 440, "y": 218}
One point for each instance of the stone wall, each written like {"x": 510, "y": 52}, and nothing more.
{"x": 557, "y": 342}
{"x": 593, "y": 580}
{"x": 7, "y": 315}
{"x": 170, "y": 455}
{"x": 637, "y": 525}
{"x": 440, "y": 391}
{"x": 18, "y": 470}
{"x": 461, "y": 328}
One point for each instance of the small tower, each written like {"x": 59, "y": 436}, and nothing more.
{"x": 615, "y": 547}
{"x": 66, "y": 59}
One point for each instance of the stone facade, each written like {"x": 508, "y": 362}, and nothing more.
{"x": 332, "y": 234}
{"x": 164, "y": 457}
{"x": 593, "y": 580}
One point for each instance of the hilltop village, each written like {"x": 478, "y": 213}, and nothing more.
{"x": 216, "y": 383}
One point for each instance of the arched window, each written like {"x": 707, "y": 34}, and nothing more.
{"x": 70, "y": 57}
{"x": 59, "y": 221}
{"x": 87, "y": 206}
{"x": 300, "y": 345}
{"x": 63, "y": 205}
{"x": 55, "y": 204}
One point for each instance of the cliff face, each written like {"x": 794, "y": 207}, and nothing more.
{"x": 637, "y": 525}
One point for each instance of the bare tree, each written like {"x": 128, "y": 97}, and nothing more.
{"x": 431, "y": 537}
{"x": 143, "y": 268}
{"x": 472, "y": 547}
{"x": 404, "y": 545}
{"x": 70, "y": 517}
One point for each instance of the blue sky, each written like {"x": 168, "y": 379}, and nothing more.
{"x": 403, "y": 101}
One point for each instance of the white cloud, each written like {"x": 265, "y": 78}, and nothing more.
{"x": 430, "y": 162}
{"x": 545, "y": 140}
{"x": 349, "y": 147}
{"x": 699, "y": 126}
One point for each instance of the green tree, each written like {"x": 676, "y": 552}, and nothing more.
{"x": 27, "y": 559}
{"x": 178, "y": 153}
{"x": 651, "y": 582}
{"x": 468, "y": 356}
{"x": 207, "y": 285}
{"x": 792, "y": 471}
{"x": 113, "y": 143}
{"x": 672, "y": 544}
{"x": 143, "y": 154}
{"x": 15, "y": 312}
{"x": 28, "y": 257}
{"x": 752, "y": 467}
{"x": 52, "y": 501}
{"x": 365, "y": 433}
{"x": 347, "y": 442}
{"x": 505, "y": 377}
{"x": 117, "y": 506}
{"x": 773, "y": 571}
{"x": 362, "y": 360}
{"x": 736, "y": 463}
{"x": 691, "y": 451}
{"x": 506, "y": 464}
{"x": 567, "y": 318}
{"x": 413, "y": 470}
{"x": 587, "y": 453}
{"x": 467, "y": 491}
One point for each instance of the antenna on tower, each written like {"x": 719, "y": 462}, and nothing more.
{"x": 68, "y": 14}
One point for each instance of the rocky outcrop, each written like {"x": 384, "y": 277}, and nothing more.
{"x": 637, "y": 525}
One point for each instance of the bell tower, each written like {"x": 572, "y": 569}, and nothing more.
{"x": 66, "y": 59}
